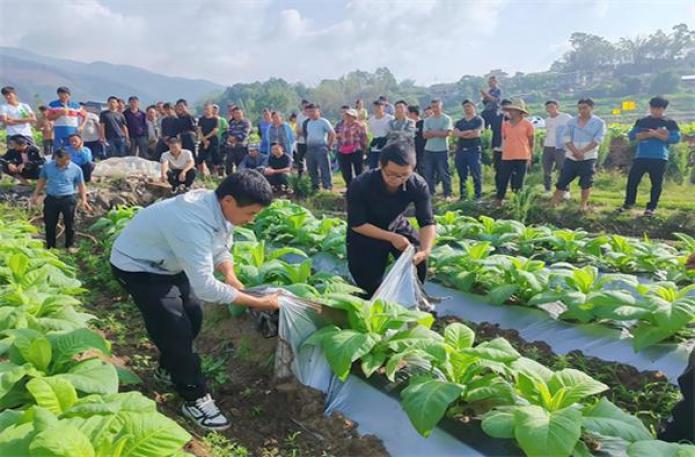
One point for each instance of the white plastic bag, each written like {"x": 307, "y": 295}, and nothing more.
{"x": 402, "y": 285}
{"x": 120, "y": 167}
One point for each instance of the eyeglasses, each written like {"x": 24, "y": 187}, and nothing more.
{"x": 395, "y": 177}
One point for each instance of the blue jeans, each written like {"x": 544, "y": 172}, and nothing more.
{"x": 138, "y": 146}
{"x": 317, "y": 162}
{"x": 468, "y": 161}
{"x": 116, "y": 147}
{"x": 437, "y": 164}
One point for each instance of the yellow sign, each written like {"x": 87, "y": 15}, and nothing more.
{"x": 616, "y": 111}
{"x": 629, "y": 105}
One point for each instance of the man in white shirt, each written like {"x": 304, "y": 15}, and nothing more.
{"x": 89, "y": 131}
{"x": 379, "y": 128}
{"x": 553, "y": 148}
{"x": 166, "y": 258}
{"x": 302, "y": 116}
{"x": 16, "y": 116}
{"x": 178, "y": 167}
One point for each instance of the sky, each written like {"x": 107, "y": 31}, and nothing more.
{"x": 230, "y": 41}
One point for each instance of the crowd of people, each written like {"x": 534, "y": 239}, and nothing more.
{"x": 215, "y": 144}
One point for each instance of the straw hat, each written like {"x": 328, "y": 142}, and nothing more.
{"x": 352, "y": 112}
{"x": 518, "y": 105}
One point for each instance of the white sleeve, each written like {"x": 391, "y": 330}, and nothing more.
{"x": 193, "y": 247}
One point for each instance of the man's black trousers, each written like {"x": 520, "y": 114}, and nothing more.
{"x": 368, "y": 258}
{"x": 173, "y": 318}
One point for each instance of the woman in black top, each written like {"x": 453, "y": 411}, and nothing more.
{"x": 377, "y": 227}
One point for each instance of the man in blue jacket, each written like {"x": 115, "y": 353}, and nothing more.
{"x": 654, "y": 134}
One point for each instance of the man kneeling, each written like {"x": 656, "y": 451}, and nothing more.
{"x": 166, "y": 257}
{"x": 178, "y": 166}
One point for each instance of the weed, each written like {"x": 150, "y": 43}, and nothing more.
{"x": 220, "y": 446}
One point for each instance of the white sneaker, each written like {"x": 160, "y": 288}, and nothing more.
{"x": 205, "y": 413}
{"x": 566, "y": 196}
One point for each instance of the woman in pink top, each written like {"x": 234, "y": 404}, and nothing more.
{"x": 517, "y": 149}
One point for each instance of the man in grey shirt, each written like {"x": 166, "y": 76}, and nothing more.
{"x": 320, "y": 136}
{"x": 166, "y": 258}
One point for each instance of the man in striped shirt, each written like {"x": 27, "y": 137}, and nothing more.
{"x": 66, "y": 117}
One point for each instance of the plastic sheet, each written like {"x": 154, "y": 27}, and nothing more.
{"x": 118, "y": 167}
{"x": 534, "y": 324}
{"x": 593, "y": 340}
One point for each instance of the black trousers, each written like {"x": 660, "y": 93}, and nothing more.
{"x": 173, "y": 318}
{"x": 682, "y": 424}
{"x": 278, "y": 180}
{"x": 233, "y": 158}
{"x": 299, "y": 157}
{"x": 53, "y": 207}
{"x": 656, "y": 168}
{"x": 514, "y": 171}
{"x": 497, "y": 166}
{"x": 87, "y": 169}
{"x": 350, "y": 165}
{"x": 173, "y": 178}
{"x": 367, "y": 258}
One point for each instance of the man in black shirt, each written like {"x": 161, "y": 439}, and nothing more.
{"x": 278, "y": 170}
{"x": 414, "y": 114}
{"x": 187, "y": 128}
{"x": 170, "y": 128}
{"x": 113, "y": 130}
{"x": 496, "y": 143}
{"x": 377, "y": 227}
{"x": 208, "y": 154}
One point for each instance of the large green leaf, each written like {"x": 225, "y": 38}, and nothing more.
{"x": 498, "y": 350}
{"x": 10, "y": 375}
{"x": 606, "y": 419}
{"x": 426, "y": 400}
{"x": 151, "y": 435}
{"x": 576, "y": 385}
{"x": 646, "y": 334}
{"x": 541, "y": 433}
{"x": 532, "y": 369}
{"x": 15, "y": 440}
{"x": 459, "y": 336}
{"x": 501, "y": 294}
{"x": 62, "y": 440}
{"x": 54, "y": 394}
{"x": 499, "y": 423}
{"x": 93, "y": 377}
{"x": 67, "y": 345}
{"x": 33, "y": 348}
{"x": 344, "y": 347}
{"x": 654, "y": 448}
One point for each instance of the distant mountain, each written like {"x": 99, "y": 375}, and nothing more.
{"x": 36, "y": 77}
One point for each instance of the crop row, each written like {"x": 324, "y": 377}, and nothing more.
{"x": 58, "y": 393}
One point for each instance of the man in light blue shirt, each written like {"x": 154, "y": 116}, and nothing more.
{"x": 81, "y": 156}
{"x": 320, "y": 137}
{"x": 436, "y": 130}
{"x": 61, "y": 178}
{"x": 582, "y": 136}
{"x": 166, "y": 258}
